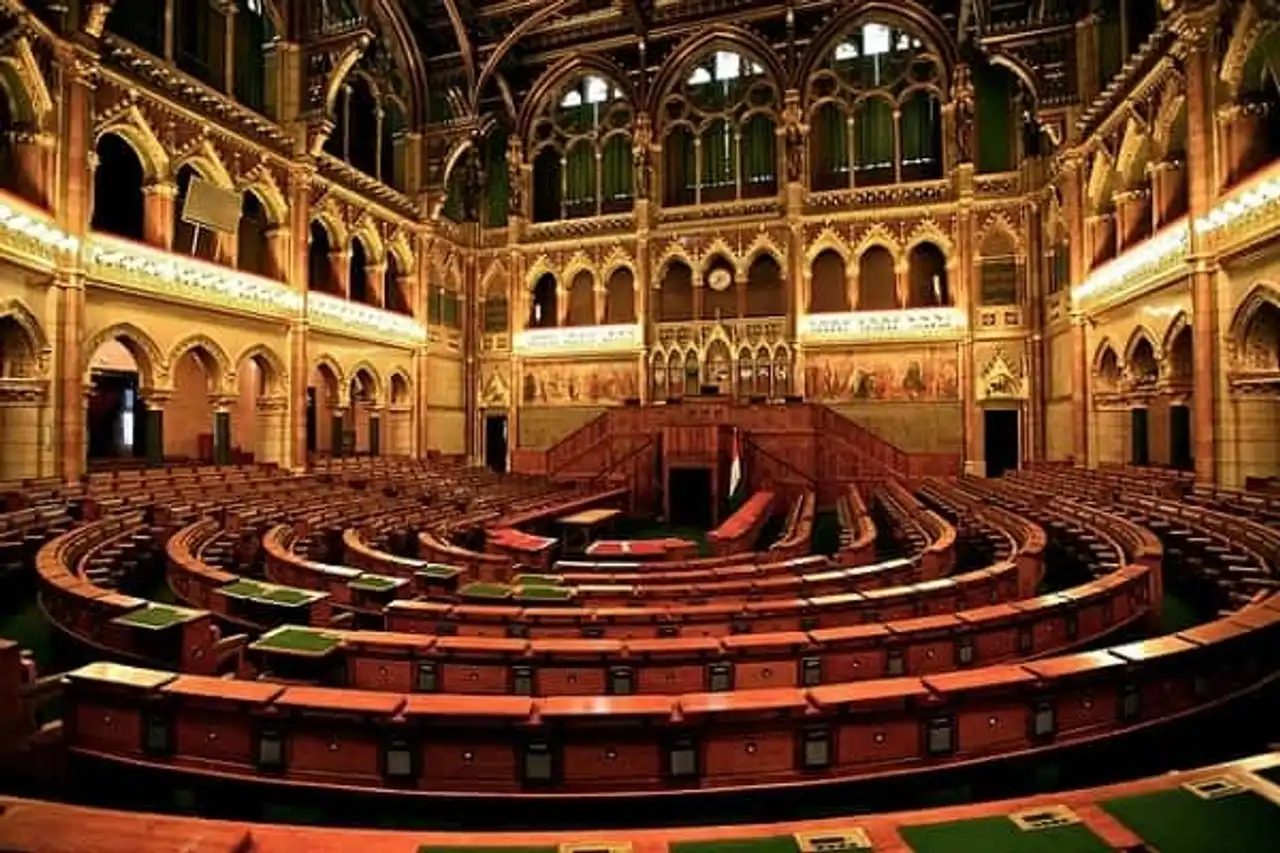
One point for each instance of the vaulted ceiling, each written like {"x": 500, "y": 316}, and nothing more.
{"x": 481, "y": 47}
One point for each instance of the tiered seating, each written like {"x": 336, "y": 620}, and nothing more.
{"x": 740, "y": 531}
{"x": 857, "y": 530}
{"x": 797, "y": 532}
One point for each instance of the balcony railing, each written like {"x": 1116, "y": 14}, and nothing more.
{"x": 908, "y": 324}
{"x": 577, "y": 340}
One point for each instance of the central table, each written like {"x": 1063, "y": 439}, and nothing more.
{"x": 644, "y": 549}
{"x": 580, "y": 528}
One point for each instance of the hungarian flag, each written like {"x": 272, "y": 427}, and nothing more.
{"x": 735, "y": 466}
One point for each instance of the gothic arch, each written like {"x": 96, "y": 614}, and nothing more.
{"x": 132, "y": 126}
{"x": 998, "y": 223}
{"x": 542, "y": 266}
{"x": 929, "y": 231}
{"x": 724, "y": 37}
{"x": 221, "y": 363}
{"x": 762, "y": 245}
{"x": 152, "y": 367}
{"x": 263, "y": 186}
{"x": 401, "y": 249}
{"x": 673, "y": 252}
{"x": 909, "y": 15}
{"x": 18, "y": 311}
{"x": 1262, "y": 293}
{"x": 617, "y": 259}
{"x": 1135, "y": 153}
{"x": 365, "y": 367}
{"x": 330, "y": 219}
{"x": 329, "y": 363}
{"x": 1250, "y": 27}
{"x": 1178, "y": 324}
{"x": 579, "y": 262}
{"x": 28, "y": 93}
{"x": 374, "y": 248}
{"x": 1139, "y": 334}
{"x": 278, "y": 373}
{"x": 828, "y": 240}
{"x": 1172, "y": 107}
{"x": 878, "y": 235}
{"x": 1101, "y": 181}
{"x": 399, "y": 379}
{"x": 717, "y": 249}
{"x": 1104, "y": 346}
{"x": 568, "y": 68}
{"x": 204, "y": 158}
{"x": 496, "y": 271}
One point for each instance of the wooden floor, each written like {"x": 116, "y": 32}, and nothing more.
{"x": 40, "y": 827}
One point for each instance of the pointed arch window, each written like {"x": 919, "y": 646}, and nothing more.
{"x": 582, "y": 140}
{"x": 875, "y": 113}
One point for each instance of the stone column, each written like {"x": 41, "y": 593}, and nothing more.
{"x": 336, "y": 423}
{"x": 293, "y": 269}
{"x": 221, "y": 430}
{"x": 1080, "y": 388}
{"x": 156, "y": 400}
{"x": 1201, "y": 159}
{"x": 375, "y": 432}
{"x": 376, "y": 276}
{"x": 340, "y": 272}
{"x": 229, "y": 9}
{"x": 65, "y": 299}
{"x": 158, "y": 213}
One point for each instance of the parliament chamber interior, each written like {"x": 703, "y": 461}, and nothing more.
{"x": 639, "y": 426}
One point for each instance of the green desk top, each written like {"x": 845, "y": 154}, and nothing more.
{"x": 268, "y": 593}
{"x": 1178, "y": 821}
{"x": 156, "y": 617}
{"x": 485, "y": 590}
{"x": 293, "y": 640}
{"x": 545, "y": 593}
{"x": 376, "y": 583}
{"x": 763, "y": 844}
{"x": 1001, "y": 835}
{"x": 438, "y": 571}
{"x": 537, "y": 580}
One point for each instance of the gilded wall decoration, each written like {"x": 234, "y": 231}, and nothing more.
{"x": 903, "y": 375}
{"x": 578, "y": 383}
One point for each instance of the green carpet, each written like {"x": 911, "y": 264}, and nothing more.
{"x": 28, "y": 627}
{"x": 1178, "y": 821}
{"x": 766, "y": 844}
{"x": 1000, "y": 835}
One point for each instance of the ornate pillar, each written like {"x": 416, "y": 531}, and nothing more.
{"x": 158, "y": 214}
{"x": 376, "y": 277}
{"x": 294, "y": 273}
{"x": 1035, "y": 285}
{"x": 340, "y": 272}
{"x": 1073, "y": 204}
{"x": 375, "y": 432}
{"x": 1201, "y": 160}
{"x": 156, "y": 400}
{"x": 337, "y": 445}
{"x": 278, "y": 252}
{"x": 65, "y": 299}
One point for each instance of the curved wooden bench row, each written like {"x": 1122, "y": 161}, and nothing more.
{"x": 1135, "y": 543}
{"x": 131, "y": 628}
{"x": 552, "y": 658}
{"x": 739, "y": 532}
{"x": 34, "y": 825}
{"x": 934, "y": 538}
{"x": 857, "y": 530}
{"x": 597, "y": 745}
{"x": 797, "y": 534}
{"x": 197, "y": 582}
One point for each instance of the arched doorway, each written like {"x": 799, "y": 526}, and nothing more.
{"x": 399, "y": 438}
{"x": 324, "y": 417}
{"x": 259, "y": 417}
{"x": 362, "y": 428}
{"x": 114, "y": 422}
{"x": 189, "y": 417}
{"x": 22, "y": 402}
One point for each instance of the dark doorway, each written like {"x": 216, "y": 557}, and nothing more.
{"x": 690, "y": 495}
{"x": 311, "y": 420}
{"x": 1000, "y": 430}
{"x": 495, "y": 443}
{"x": 1139, "y": 443}
{"x": 116, "y": 416}
{"x": 1180, "y": 438}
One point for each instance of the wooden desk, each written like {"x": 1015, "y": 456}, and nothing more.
{"x": 580, "y": 528}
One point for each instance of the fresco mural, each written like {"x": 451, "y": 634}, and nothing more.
{"x": 578, "y": 383}
{"x": 906, "y": 375}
